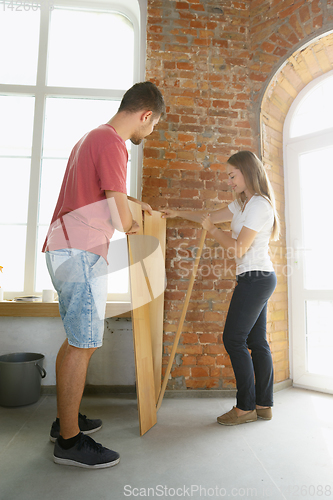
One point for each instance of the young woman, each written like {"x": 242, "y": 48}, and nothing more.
{"x": 254, "y": 221}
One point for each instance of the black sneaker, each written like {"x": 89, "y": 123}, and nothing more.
{"x": 86, "y": 425}
{"x": 85, "y": 453}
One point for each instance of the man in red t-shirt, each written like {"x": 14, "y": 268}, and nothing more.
{"x": 91, "y": 204}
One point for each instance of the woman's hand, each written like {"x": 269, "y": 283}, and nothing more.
{"x": 207, "y": 223}
{"x": 168, "y": 213}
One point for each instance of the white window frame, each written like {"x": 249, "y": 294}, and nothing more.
{"x": 136, "y": 12}
{"x": 292, "y": 147}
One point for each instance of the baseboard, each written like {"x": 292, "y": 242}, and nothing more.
{"x": 50, "y": 390}
{"x": 217, "y": 393}
{"x": 109, "y": 389}
{"x": 280, "y": 386}
{"x": 200, "y": 393}
{"x": 169, "y": 394}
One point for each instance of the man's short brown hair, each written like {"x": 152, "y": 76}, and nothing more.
{"x": 143, "y": 96}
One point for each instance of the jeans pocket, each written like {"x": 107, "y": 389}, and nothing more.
{"x": 93, "y": 260}
{"x": 56, "y": 259}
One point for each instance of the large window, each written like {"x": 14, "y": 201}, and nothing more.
{"x": 64, "y": 67}
{"x": 308, "y": 138}
{"x": 314, "y": 112}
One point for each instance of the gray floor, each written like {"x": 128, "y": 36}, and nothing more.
{"x": 186, "y": 455}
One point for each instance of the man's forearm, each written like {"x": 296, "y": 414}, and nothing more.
{"x": 133, "y": 199}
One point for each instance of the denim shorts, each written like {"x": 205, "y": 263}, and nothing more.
{"x": 80, "y": 278}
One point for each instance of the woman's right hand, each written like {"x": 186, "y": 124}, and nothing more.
{"x": 168, "y": 213}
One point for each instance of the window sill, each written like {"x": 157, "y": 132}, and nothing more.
{"x": 51, "y": 309}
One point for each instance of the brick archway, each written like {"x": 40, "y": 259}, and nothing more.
{"x": 305, "y": 65}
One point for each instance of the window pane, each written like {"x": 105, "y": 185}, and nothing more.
{"x": 19, "y": 38}
{"x": 67, "y": 120}
{"x": 319, "y": 337}
{"x": 315, "y": 111}
{"x": 118, "y": 281}
{"x": 16, "y": 125}
{"x": 51, "y": 180}
{"x": 14, "y": 190}
{"x": 129, "y": 169}
{"x": 316, "y": 238}
{"x": 104, "y": 59}
{"x": 12, "y": 257}
{"x": 43, "y": 280}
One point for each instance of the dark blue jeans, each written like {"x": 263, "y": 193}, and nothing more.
{"x": 245, "y": 329}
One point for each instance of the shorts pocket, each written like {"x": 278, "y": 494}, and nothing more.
{"x": 93, "y": 259}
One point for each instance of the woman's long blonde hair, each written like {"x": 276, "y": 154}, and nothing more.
{"x": 257, "y": 181}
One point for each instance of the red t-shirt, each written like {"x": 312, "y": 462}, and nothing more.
{"x": 81, "y": 219}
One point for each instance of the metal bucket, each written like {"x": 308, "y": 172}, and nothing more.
{"x": 20, "y": 378}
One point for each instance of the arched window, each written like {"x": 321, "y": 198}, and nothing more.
{"x": 308, "y": 159}
{"x": 313, "y": 111}
{"x": 64, "y": 67}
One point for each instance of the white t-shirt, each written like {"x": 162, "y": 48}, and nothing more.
{"x": 258, "y": 215}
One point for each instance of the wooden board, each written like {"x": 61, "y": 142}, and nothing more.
{"x": 155, "y": 266}
{"x": 141, "y": 297}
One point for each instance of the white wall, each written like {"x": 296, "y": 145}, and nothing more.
{"x": 112, "y": 364}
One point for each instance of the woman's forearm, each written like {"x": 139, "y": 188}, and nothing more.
{"x": 225, "y": 240}
{"x": 194, "y": 216}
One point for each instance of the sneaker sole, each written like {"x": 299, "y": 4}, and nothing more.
{"x": 236, "y": 423}
{"x": 53, "y": 439}
{"x": 64, "y": 461}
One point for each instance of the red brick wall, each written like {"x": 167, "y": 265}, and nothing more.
{"x": 277, "y": 27}
{"x": 212, "y": 60}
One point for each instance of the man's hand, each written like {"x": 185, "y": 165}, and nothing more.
{"x": 134, "y": 229}
{"x": 146, "y": 208}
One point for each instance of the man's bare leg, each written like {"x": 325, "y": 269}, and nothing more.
{"x": 71, "y": 370}
{"x": 71, "y": 377}
{"x": 59, "y": 359}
